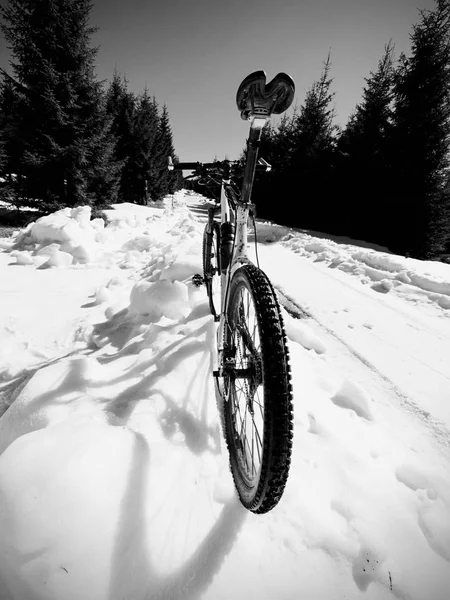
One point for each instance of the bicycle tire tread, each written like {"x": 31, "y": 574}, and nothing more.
{"x": 208, "y": 240}
{"x": 278, "y": 405}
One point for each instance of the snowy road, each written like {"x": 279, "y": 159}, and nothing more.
{"x": 113, "y": 474}
{"x": 404, "y": 347}
{"x": 404, "y": 342}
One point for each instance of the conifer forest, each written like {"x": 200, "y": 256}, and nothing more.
{"x": 67, "y": 139}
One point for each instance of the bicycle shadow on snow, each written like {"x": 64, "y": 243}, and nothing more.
{"x": 185, "y": 415}
{"x": 186, "y": 422}
{"x": 139, "y": 577}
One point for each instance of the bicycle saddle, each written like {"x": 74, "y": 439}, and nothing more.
{"x": 255, "y": 97}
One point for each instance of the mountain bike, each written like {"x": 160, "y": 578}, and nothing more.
{"x": 253, "y": 380}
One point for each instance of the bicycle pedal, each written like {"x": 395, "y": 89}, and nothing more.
{"x": 198, "y": 280}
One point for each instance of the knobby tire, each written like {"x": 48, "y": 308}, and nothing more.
{"x": 257, "y": 389}
{"x": 211, "y": 261}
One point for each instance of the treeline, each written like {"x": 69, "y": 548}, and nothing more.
{"x": 384, "y": 177}
{"x": 65, "y": 140}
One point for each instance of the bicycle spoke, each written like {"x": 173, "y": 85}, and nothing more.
{"x": 247, "y": 388}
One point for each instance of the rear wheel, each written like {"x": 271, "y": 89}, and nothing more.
{"x": 257, "y": 391}
{"x": 211, "y": 265}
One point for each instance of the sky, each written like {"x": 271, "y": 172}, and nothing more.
{"x": 114, "y": 477}
{"x": 192, "y": 55}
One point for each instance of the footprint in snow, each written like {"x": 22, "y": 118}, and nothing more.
{"x": 315, "y": 426}
{"x": 444, "y": 302}
{"x": 354, "y": 397}
{"x": 412, "y": 478}
{"x": 302, "y": 334}
{"x": 367, "y": 567}
{"x": 433, "y": 512}
{"x": 384, "y": 286}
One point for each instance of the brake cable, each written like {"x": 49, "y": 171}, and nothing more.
{"x": 256, "y": 243}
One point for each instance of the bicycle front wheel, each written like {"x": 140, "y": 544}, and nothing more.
{"x": 211, "y": 265}
{"x": 257, "y": 391}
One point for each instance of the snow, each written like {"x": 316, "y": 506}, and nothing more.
{"x": 114, "y": 479}
{"x": 381, "y": 270}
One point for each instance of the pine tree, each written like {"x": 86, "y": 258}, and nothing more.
{"x": 3, "y": 181}
{"x": 364, "y": 163}
{"x": 283, "y": 143}
{"x": 146, "y": 128}
{"x": 8, "y": 139}
{"x": 421, "y": 199}
{"x": 275, "y": 148}
{"x": 311, "y": 158}
{"x": 121, "y": 106}
{"x": 65, "y": 144}
{"x": 163, "y": 181}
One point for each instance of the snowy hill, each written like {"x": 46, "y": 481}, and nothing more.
{"x": 114, "y": 480}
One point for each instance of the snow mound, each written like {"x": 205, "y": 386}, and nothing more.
{"x": 22, "y": 258}
{"x": 160, "y": 299}
{"x": 384, "y": 286}
{"x": 66, "y": 236}
{"x": 354, "y": 397}
{"x": 70, "y": 237}
{"x": 428, "y": 281}
{"x": 432, "y": 505}
{"x": 65, "y": 225}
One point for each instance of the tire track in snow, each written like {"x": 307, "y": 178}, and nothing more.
{"x": 436, "y": 427}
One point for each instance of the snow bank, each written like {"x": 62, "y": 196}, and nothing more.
{"x": 382, "y": 271}
{"x": 160, "y": 298}
{"x": 70, "y": 237}
{"x": 64, "y": 237}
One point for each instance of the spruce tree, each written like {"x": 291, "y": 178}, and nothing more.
{"x": 312, "y": 154}
{"x": 364, "y": 165}
{"x": 146, "y": 128}
{"x": 65, "y": 144}
{"x": 3, "y": 181}
{"x": 121, "y": 107}
{"x": 275, "y": 148}
{"x": 163, "y": 181}
{"x": 9, "y": 157}
{"x": 421, "y": 199}
{"x": 283, "y": 143}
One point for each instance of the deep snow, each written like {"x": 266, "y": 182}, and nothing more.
{"x": 114, "y": 479}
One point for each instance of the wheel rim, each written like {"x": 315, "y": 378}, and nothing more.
{"x": 245, "y": 386}
{"x": 211, "y": 269}
{"x": 215, "y": 271}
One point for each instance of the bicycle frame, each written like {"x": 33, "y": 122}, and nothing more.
{"x": 239, "y": 254}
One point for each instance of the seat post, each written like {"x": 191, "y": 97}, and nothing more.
{"x": 253, "y": 143}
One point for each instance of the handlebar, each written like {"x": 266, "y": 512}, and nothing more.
{"x": 203, "y": 168}
{"x": 186, "y": 166}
